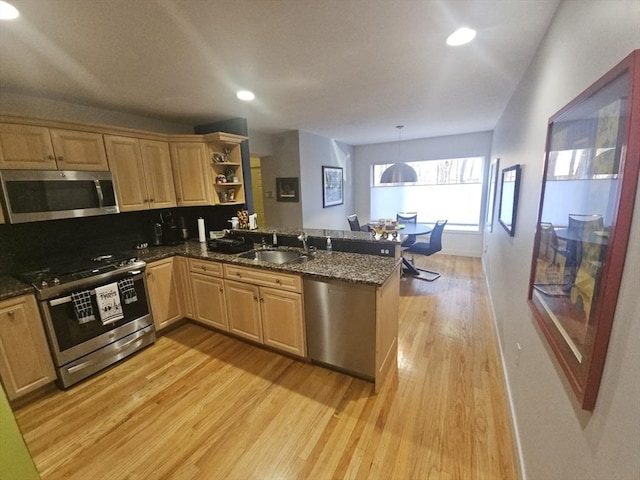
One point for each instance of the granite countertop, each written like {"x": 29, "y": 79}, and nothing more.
{"x": 348, "y": 267}
{"x": 10, "y": 287}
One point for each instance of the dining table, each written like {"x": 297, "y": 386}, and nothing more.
{"x": 409, "y": 229}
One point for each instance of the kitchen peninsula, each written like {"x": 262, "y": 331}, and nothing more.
{"x": 263, "y": 302}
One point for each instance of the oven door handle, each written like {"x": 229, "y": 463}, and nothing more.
{"x": 137, "y": 341}
{"x": 62, "y": 300}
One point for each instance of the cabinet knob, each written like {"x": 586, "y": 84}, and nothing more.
{"x": 261, "y": 300}
{"x": 278, "y": 281}
{"x": 255, "y": 298}
{"x": 50, "y": 157}
{"x": 151, "y": 200}
{"x": 60, "y": 158}
{"x": 221, "y": 290}
{"x": 204, "y": 267}
{"x": 11, "y": 313}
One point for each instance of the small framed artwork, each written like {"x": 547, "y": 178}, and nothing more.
{"x": 491, "y": 197}
{"x": 332, "y": 186}
{"x": 287, "y": 189}
{"x": 509, "y": 190}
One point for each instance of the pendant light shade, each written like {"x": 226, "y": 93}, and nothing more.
{"x": 399, "y": 172}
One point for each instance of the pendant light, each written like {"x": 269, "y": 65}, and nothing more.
{"x": 399, "y": 172}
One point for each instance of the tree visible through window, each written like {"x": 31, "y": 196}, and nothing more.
{"x": 446, "y": 189}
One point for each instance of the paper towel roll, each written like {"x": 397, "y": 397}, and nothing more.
{"x": 201, "y": 230}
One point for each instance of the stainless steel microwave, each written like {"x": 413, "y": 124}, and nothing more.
{"x": 33, "y": 195}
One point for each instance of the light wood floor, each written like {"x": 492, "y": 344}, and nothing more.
{"x": 201, "y": 405}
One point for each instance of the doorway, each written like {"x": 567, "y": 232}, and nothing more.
{"x": 256, "y": 187}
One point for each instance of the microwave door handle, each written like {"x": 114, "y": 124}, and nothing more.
{"x": 99, "y": 192}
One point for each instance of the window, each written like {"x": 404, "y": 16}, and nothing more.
{"x": 446, "y": 189}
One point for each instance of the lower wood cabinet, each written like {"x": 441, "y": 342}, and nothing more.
{"x": 181, "y": 270}
{"x": 266, "y": 307}
{"x": 25, "y": 360}
{"x": 209, "y": 302}
{"x": 164, "y": 295}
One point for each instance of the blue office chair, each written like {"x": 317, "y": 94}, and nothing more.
{"x": 429, "y": 248}
{"x": 407, "y": 217}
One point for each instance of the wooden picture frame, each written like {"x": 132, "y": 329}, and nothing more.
{"x": 287, "y": 189}
{"x": 589, "y": 185}
{"x": 492, "y": 181}
{"x": 332, "y": 186}
{"x": 509, "y": 193}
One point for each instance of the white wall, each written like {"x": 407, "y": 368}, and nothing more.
{"x": 26, "y": 106}
{"x": 316, "y": 151}
{"x": 558, "y": 439}
{"x": 285, "y": 162}
{"x": 436, "y": 148}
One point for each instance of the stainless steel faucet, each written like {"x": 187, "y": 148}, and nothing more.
{"x": 303, "y": 238}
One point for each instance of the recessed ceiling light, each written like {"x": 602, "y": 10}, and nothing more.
{"x": 245, "y": 95}
{"x": 8, "y": 11}
{"x": 461, "y": 36}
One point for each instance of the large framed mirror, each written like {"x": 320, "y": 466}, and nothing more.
{"x": 590, "y": 179}
{"x": 509, "y": 190}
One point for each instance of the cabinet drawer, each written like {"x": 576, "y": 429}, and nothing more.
{"x": 265, "y": 278}
{"x": 205, "y": 267}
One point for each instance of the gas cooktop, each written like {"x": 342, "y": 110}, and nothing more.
{"x": 62, "y": 273}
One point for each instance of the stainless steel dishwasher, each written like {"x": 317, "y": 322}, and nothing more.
{"x": 341, "y": 325}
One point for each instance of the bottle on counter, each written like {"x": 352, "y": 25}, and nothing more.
{"x": 329, "y": 245}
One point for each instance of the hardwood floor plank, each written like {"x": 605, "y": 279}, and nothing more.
{"x": 202, "y": 405}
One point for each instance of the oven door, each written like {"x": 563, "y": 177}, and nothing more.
{"x": 71, "y": 339}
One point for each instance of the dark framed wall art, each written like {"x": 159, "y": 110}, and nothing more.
{"x": 509, "y": 191}
{"x": 332, "y": 186}
{"x": 494, "y": 168}
{"x": 590, "y": 179}
{"x": 287, "y": 189}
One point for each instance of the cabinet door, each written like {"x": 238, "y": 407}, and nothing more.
{"x": 79, "y": 150}
{"x": 243, "y": 309}
{"x": 25, "y": 360}
{"x": 209, "y": 300}
{"x": 125, "y": 162}
{"x": 181, "y": 268}
{"x": 191, "y": 173}
{"x": 158, "y": 174}
{"x": 25, "y": 147}
{"x": 163, "y": 293}
{"x": 282, "y": 320}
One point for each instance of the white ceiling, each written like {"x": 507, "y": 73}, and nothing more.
{"x": 345, "y": 69}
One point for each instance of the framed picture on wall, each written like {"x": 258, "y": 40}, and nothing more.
{"x": 491, "y": 196}
{"x": 509, "y": 192}
{"x": 287, "y": 189}
{"x": 589, "y": 183}
{"x": 332, "y": 186}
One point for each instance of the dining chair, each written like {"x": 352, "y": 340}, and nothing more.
{"x": 434, "y": 245}
{"x": 407, "y": 217}
{"x": 354, "y": 224}
{"x": 581, "y": 228}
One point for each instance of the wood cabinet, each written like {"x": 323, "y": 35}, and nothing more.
{"x": 164, "y": 295}
{"x": 41, "y": 148}
{"x": 1, "y": 215}
{"x": 26, "y": 147}
{"x": 77, "y": 150}
{"x": 25, "y": 360}
{"x": 181, "y": 269}
{"x": 142, "y": 173}
{"x": 208, "y": 289}
{"x": 266, "y": 307}
{"x": 191, "y": 173}
{"x": 158, "y": 174}
{"x": 224, "y": 151}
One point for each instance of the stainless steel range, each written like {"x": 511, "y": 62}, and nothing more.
{"x": 95, "y": 312}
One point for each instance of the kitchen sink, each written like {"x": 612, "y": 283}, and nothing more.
{"x": 278, "y": 257}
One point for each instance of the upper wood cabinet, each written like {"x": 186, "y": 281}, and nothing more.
{"x": 191, "y": 173}
{"x": 41, "y": 148}
{"x": 77, "y": 150}
{"x": 158, "y": 174}
{"x": 25, "y": 360}
{"x": 142, "y": 173}
{"x": 26, "y": 147}
{"x": 227, "y": 174}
